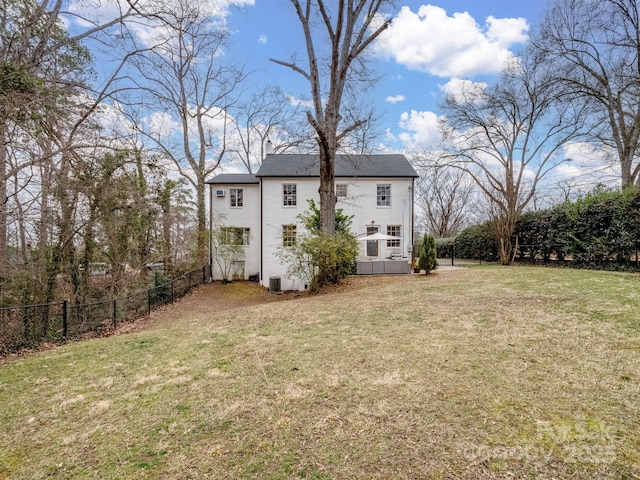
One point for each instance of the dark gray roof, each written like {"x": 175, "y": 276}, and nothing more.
{"x": 233, "y": 179}
{"x": 287, "y": 165}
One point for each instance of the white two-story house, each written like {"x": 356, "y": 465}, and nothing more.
{"x": 260, "y": 211}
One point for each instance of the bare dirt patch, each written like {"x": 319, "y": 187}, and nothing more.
{"x": 218, "y": 297}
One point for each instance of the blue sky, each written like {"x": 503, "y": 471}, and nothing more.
{"x": 431, "y": 46}
{"x": 430, "y": 49}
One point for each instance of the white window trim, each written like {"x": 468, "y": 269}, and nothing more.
{"x": 346, "y": 190}
{"x": 231, "y": 196}
{"x": 293, "y": 239}
{"x": 246, "y": 235}
{"x": 295, "y": 185}
{"x": 399, "y": 230}
{"x": 377, "y": 197}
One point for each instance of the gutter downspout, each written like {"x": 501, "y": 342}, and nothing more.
{"x": 411, "y": 221}
{"x": 261, "y": 230}
{"x": 210, "y": 231}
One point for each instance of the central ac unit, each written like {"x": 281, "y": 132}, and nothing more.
{"x": 220, "y": 193}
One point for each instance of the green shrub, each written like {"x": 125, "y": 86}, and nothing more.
{"x": 598, "y": 230}
{"x": 319, "y": 259}
{"x": 427, "y": 259}
{"x": 602, "y": 227}
{"x": 445, "y": 246}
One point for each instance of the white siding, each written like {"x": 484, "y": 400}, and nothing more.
{"x": 361, "y": 201}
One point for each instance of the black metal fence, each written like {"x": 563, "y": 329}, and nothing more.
{"x": 600, "y": 256}
{"x": 450, "y": 255}
{"x": 457, "y": 261}
{"x": 30, "y": 325}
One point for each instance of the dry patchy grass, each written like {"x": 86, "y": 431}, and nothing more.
{"x": 480, "y": 373}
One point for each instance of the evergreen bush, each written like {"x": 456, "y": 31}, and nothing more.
{"x": 427, "y": 259}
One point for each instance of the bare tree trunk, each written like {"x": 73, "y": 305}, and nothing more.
{"x": 349, "y": 29}
{"x": 65, "y": 248}
{"x": 201, "y": 249}
{"x": 22, "y": 246}
{"x": 504, "y": 228}
{"x": 4, "y": 263}
{"x": 327, "y": 192}
{"x": 45, "y": 217}
{"x": 166, "y": 235}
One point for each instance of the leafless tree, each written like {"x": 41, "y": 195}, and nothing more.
{"x": 593, "y": 47}
{"x": 34, "y": 61}
{"x": 48, "y": 128}
{"x": 444, "y": 194}
{"x": 183, "y": 79}
{"x": 507, "y": 138}
{"x": 362, "y": 140}
{"x": 347, "y": 28}
{"x": 261, "y": 117}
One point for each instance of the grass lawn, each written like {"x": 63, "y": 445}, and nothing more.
{"x": 488, "y": 372}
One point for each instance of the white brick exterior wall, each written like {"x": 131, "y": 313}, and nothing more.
{"x": 361, "y": 201}
{"x": 247, "y": 216}
{"x": 264, "y": 213}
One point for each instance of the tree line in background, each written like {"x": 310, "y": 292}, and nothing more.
{"x": 103, "y": 165}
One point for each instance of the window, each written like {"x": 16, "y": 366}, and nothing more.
{"x": 236, "y": 195}
{"x": 341, "y": 190}
{"x": 383, "y": 198}
{"x": 394, "y": 231}
{"x": 289, "y": 197}
{"x": 289, "y": 235}
{"x": 235, "y": 236}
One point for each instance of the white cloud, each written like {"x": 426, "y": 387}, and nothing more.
{"x": 433, "y": 42}
{"x": 422, "y": 129}
{"x": 395, "y": 98}
{"x": 263, "y": 39}
{"x": 112, "y": 119}
{"x": 588, "y": 165}
{"x": 89, "y": 13}
{"x": 463, "y": 89}
{"x": 161, "y": 125}
{"x": 299, "y": 102}
{"x": 507, "y": 31}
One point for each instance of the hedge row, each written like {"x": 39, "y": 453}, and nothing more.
{"x": 600, "y": 230}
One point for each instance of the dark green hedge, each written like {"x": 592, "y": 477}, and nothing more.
{"x": 599, "y": 230}
{"x": 476, "y": 242}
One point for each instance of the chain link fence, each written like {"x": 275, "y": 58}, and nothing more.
{"x": 28, "y": 326}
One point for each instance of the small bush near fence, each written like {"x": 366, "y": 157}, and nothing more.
{"x": 30, "y": 325}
